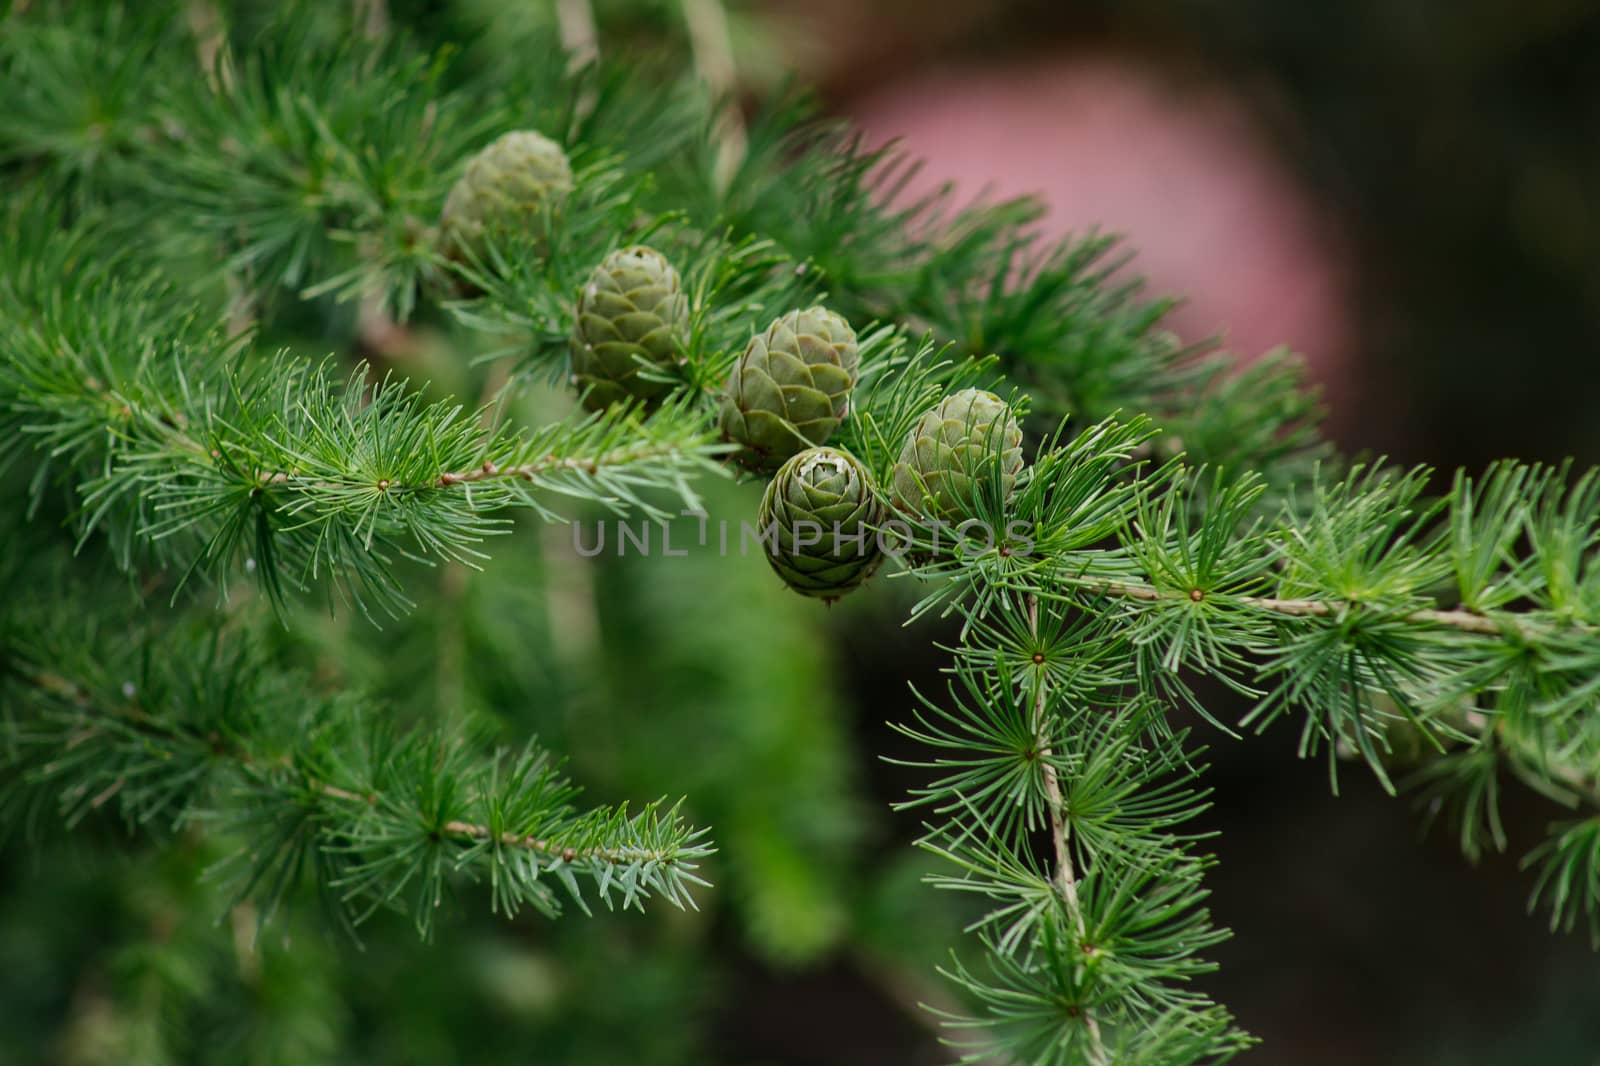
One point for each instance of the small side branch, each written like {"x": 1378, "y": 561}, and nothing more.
{"x": 1581, "y": 781}
{"x": 579, "y": 36}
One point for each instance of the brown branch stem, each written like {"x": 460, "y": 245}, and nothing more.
{"x": 173, "y": 428}
{"x": 1461, "y": 619}
{"x": 579, "y": 36}
{"x": 712, "y": 46}
{"x": 491, "y": 471}
{"x": 1066, "y": 878}
{"x": 525, "y": 471}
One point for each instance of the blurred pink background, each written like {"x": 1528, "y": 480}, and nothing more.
{"x": 1173, "y": 163}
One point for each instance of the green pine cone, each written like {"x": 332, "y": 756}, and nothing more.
{"x": 632, "y": 314}
{"x": 952, "y": 447}
{"x": 790, "y": 388}
{"x": 821, "y": 512}
{"x": 505, "y": 185}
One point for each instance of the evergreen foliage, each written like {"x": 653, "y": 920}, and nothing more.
{"x": 234, "y": 545}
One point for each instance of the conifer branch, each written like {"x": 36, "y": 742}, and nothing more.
{"x": 1330, "y": 608}
{"x": 1087, "y": 959}
{"x": 152, "y": 726}
{"x": 185, "y": 450}
{"x": 194, "y": 738}
{"x": 283, "y": 172}
{"x": 317, "y": 166}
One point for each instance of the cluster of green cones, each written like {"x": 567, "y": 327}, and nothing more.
{"x": 826, "y": 517}
{"x": 822, "y": 516}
